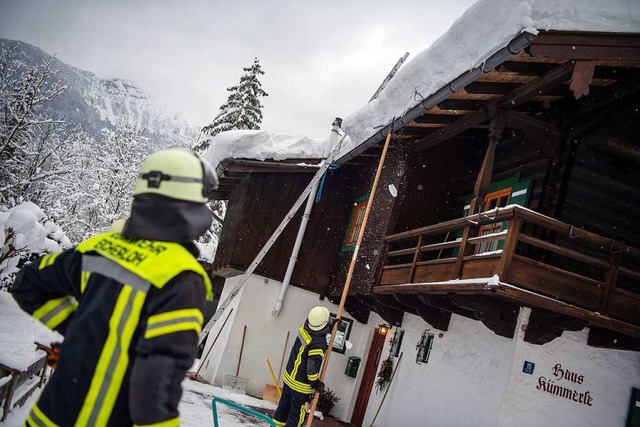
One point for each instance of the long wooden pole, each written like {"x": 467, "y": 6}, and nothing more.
{"x": 347, "y": 283}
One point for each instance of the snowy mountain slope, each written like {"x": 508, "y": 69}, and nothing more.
{"x": 95, "y": 103}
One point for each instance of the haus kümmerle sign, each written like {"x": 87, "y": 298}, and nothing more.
{"x": 567, "y": 381}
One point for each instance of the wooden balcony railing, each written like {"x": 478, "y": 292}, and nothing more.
{"x": 538, "y": 261}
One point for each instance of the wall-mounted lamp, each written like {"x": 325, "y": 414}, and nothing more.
{"x": 383, "y": 329}
{"x": 424, "y": 347}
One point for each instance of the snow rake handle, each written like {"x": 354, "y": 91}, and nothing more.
{"x": 352, "y": 267}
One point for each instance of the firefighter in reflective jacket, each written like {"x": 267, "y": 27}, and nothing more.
{"x": 129, "y": 304}
{"x": 303, "y": 368}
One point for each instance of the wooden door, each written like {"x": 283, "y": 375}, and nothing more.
{"x": 368, "y": 378}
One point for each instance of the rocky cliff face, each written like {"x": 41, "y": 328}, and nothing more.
{"x": 95, "y": 104}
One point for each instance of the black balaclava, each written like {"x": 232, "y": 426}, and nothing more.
{"x": 155, "y": 217}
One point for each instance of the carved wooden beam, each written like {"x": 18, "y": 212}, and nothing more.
{"x": 435, "y": 317}
{"x": 544, "y": 326}
{"x": 522, "y": 94}
{"x": 614, "y": 93}
{"x": 582, "y": 78}
{"x": 483, "y": 181}
{"x": 586, "y": 46}
{"x": 533, "y": 126}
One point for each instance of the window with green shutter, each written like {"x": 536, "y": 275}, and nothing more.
{"x": 510, "y": 191}
{"x": 355, "y": 223}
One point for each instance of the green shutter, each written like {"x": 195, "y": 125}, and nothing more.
{"x": 519, "y": 196}
{"x": 520, "y": 193}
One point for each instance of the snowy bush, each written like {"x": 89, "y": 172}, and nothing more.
{"x": 25, "y": 234}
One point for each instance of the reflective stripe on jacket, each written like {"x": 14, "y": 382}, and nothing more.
{"x": 131, "y": 312}
{"x": 305, "y": 359}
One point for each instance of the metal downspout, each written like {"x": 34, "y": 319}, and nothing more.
{"x": 335, "y": 132}
{"x": 294, "y": 253}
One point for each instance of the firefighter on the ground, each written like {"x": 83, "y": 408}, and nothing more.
{"x": 128, "y": 303}
{"x": 301, "y": 377}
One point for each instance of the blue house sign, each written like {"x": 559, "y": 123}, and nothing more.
{"x": 528, "y": 367}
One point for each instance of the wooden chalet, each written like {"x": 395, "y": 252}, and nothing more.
{"x": 518, "y": 184}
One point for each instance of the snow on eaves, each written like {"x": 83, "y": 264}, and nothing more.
{"x": 482, "y": 30}
{"x": 262, "y": 145}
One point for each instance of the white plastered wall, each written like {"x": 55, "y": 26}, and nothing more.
{"x": 476, "y": 378}
{"x": 607, "y": 375}
{"x": 461, "y": 385}
{"x": 266, "y": 335}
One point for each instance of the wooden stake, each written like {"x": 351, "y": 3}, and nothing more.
{"x": 284, "y": 353}
{"x": 347, "y": 283}
{"x": 244, "y": 332}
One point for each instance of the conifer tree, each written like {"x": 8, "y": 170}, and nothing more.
{"x": 243, "y": 109}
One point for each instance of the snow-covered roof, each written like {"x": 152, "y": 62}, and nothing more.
{"x": 484, "y": 29}
{"x": 262, "y": 145}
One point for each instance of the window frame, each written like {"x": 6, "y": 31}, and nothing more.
{"x": 359, "y": 205}
{"x": 495, "y": 227}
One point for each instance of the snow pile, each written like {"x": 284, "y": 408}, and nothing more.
{"x": 22, "y": 235}
{"x": 207, "y": 251}
{"x": 482, "y": 30}
{"x": 18, "y": 331}
{"x": 195, "y": 406}
{"x": 262, "y": 145}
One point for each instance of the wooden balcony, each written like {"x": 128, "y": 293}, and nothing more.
{"x": 534, "y": 261}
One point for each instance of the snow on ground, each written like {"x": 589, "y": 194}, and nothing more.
{"x": 18, "y": 331}
{"x": 195, "y": 406}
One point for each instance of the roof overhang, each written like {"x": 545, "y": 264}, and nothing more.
{"x": 232, "y": 172}
{"x": 524, "y": 78}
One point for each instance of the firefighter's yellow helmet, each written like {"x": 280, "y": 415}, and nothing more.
{"x": 318, "y": 318}
{"x": 177, "y": 173}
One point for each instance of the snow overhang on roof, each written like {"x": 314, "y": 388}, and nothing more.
{"x": 228, "y": 147}
{"x": 483, "y": 37}
{"x": 236, "y": 153}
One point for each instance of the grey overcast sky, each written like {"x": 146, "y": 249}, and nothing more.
{"x": 321, "y": 59}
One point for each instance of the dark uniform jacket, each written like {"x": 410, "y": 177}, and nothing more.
{"x": 305, "y": 360}
{"x": 130, "y": 311}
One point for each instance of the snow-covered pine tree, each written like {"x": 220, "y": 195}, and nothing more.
{"x": 243, "y": 109}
